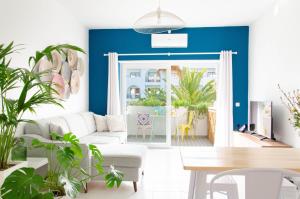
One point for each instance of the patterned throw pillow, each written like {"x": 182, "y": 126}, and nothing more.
{"x": 143, "y": 119}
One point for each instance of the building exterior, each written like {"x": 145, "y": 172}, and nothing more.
{"x": 139, "y": 80}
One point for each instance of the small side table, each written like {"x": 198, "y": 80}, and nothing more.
{"x": 36, "y": 162}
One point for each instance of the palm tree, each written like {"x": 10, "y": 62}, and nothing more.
{"x": 31, "y": 93}
{"x": 191, "y": 94}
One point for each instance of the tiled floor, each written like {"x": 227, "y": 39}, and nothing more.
{"x": 176, "y": 141}
{"x": 164, "y": 178}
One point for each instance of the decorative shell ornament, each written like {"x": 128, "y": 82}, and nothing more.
{"x": 67, "y": 91}
{"x": 75, "y": 82}
{"x": 59, "y": 85}
{"x": 80, "y": 66}
{"x": 66, "y": 71}
{"x": 63, "y": 72}
{"x": 72, "y": 59}
{"x": 45, "y": 67}
{"x": 56, "y": 61}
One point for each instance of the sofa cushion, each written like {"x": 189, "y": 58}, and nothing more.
{"x": 123, "y": 155}
{"x": 116, "y": 123}
{"x": 94, "y": 139}
{"x": 39, "y": 127}
{"x": 77, "y": 125}
{"x": 122, "y": 136}
{"x": 59, "y": 125}
{"x": 101, "y": 123}
{"x": 88, "y": 117}
{"x": 20, "y": 129}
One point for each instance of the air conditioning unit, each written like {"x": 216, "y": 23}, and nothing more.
{"x": 169, "y": 40}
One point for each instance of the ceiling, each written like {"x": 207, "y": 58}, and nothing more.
{"x": 196, "y": 13}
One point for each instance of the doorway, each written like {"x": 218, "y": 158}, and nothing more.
{"x": 148, "y": 101}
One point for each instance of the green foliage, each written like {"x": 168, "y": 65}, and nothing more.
{"x": 24, "y": 183}
{"x": 292, "y": 102}
{"x": 62, "y": 178}
{"x": 72, "y": 186}
{"x": 49, "y": 49}
{"x": 191, "y": 94}
{"x": 65, "y": 178}
{"x": 153, "y": 97}
{"x": 114, "y": 178}
{"x": 30, "y": 92}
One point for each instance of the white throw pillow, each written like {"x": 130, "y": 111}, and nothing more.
{"x": 101, "y": 123}
{"x": 116, "y": 123}
{"x": 89, "y": 119}
{"x": 59, "y": 126}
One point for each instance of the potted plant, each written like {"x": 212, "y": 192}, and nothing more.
{"x": 29, "y": 93}
{"x": 65, "y": 177}
{"x": 292, "y": 101}
{"x": 191, "y": 95}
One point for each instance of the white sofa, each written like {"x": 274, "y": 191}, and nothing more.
{"x": 80, "y": 124}
{"x": 127, "y": 158}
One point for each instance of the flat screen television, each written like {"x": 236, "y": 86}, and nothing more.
{"x": 261, "y": 117}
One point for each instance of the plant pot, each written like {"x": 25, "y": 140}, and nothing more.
{"x": 15, "y": 166}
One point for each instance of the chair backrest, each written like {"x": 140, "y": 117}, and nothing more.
{"x": 143, "y": 119}
{"x": 258, "y": 183}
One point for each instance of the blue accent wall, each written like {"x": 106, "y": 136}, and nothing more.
{"x": 200, "y": 40}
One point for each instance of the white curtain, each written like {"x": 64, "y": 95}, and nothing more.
{"x": 224, "y": 113}
{"x": 113, "y": 95}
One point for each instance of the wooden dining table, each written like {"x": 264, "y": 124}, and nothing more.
{"x": 202, "y": 161}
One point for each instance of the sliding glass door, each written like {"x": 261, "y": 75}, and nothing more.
{"x": 146, "y": 101}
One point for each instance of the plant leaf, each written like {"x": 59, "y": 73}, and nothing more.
{"x": 47, "y": 195}
{"x": 96, "y": 153}
{"x": 72, "y": 186}
{"x": 113, "y": 178}
{"x": 35, "y": 143}
{"x": 74, "y": 141}
{"x": 65, "y": 157}
{"x": 22, "y": 182}
{"x": 56, "y": 136}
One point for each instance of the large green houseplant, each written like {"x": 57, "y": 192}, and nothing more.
{"x": 191, "y": 94}
{"x": 29, "y": 92}
{"x": 65, "y": 175}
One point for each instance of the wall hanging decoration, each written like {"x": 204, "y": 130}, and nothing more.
{"x": 72, "y": 59}
{"x": 56, "y": 61}
{"x": 67, "y": 90}
{"x": 64, "y": 71}
{"x": 59, "y": 85}
{"x": 45, "y": 67}
{"x": 75, "y": 82}
{"x": 80, "y": 66}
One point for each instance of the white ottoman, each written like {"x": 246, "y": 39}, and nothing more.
{"x": 128, "y": 158}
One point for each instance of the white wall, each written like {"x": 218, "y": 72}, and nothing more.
{"x": 274, "y": 59}
{"x": 36, "y": 24}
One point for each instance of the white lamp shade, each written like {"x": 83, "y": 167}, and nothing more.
{"x": 157, "y": 22}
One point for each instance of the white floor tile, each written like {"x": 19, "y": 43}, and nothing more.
{"x": 164, "y": 178}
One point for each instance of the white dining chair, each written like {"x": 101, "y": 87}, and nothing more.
{"x": 255, "y": 183}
